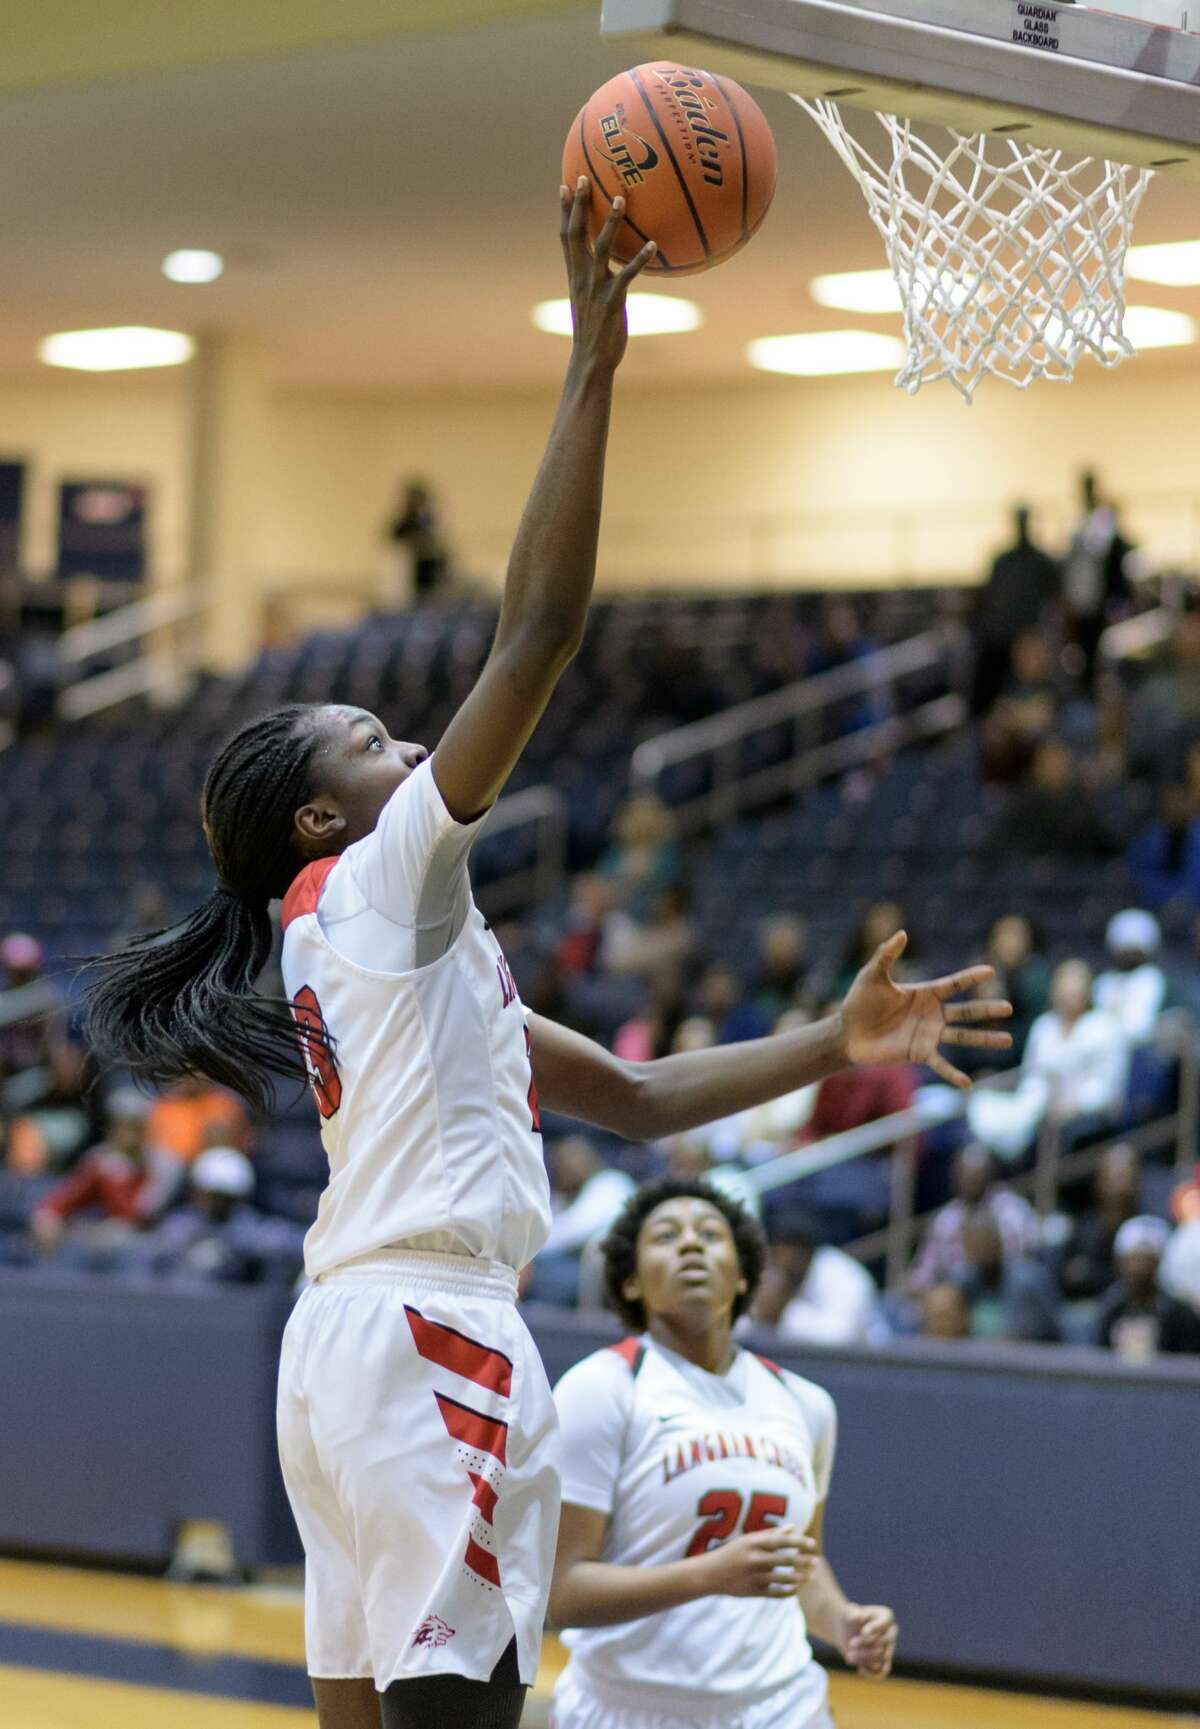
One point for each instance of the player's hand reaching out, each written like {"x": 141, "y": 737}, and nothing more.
{"x": 771, "y": 1563}
{"x": 886, "y": 1022}
{"x": 867, "y": 1638}
{"x": 597, "y": 290}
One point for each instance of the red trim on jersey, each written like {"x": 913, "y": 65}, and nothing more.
{"x": 485, "y": 1496}
{"x": 305, "y": 891}
{"x": 482, "y": 1561}
{"x": 768, "y": 1364}
{"x": 473, "y": 1429}
{"x": 632, "y": 1351}
{"x": 452, "y": 1350}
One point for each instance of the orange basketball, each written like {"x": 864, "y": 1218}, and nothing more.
{"x": 693, "y": 155}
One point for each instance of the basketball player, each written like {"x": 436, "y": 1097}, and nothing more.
{"x": 694, "y": 1470}
{"x": 417, "y": 1432}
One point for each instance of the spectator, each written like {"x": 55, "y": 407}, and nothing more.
{"x": 193, "y": 1115}
{"x": 415, "y": 528}
{"x": 945, "y": 1313}
{"x": 1166, "y": 711}
{"x": 644, "y": 859}
{"x": 1088, "y": 1265}
{"x": 782, "y": 965}
{"x": 587, "y": 1196}
{"x": 1180, "y": 1271}
{"x": 219, "y": 1237}
{"x": 42, "y": 1072}
{"x": 1024, "y": 712}
{"x": 840, "y": 641}
{"x": 581, "y": 943}
{"x": 764, "y": 1131}
{"x": 1095, "y": 576}
{"x": 1022, "y": 975}
{"x": 1052, "y": 816}
{"x": 879, "y": 922}
{"x": 721, "y": 997}
{"x": 651, "y": 1032}
{"x": 24, "y": 1184}
{"x": 859, "y": 1095}
{"x": 1008, "y": 1299}
{"x": 121, "y": 1179}
{"x": 813, "y": 1293}
{"x": 943, "y": 1256}
{"x": 1020, "y": 587}
{"x": 1079, "y": 1051}
{"x": 1164, "y": 859}
{"x": 665, "y": 939}
{"x": 1134, "y": 991}
{"x": 1137, "y": 1319}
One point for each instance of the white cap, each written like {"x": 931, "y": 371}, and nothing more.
{"x": 1144, "y": 1235}
{"x": 224, "y": 1171}
{"x": 1133, "y": 929}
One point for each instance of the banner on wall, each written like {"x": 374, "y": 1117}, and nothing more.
{"x": 12, "y": 493}
{"x": 102, "y": 530}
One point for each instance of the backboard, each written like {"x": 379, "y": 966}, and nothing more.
{"x": 1046, "y": 73}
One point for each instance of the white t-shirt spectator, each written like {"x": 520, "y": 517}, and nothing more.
{"x": 591, "y": 1212}
{"x": 1179, "y": 1272}
{"x": 837, "y": 1304}
{"x": 1085, "y": 1067}
{"x": 1135, "y": 999}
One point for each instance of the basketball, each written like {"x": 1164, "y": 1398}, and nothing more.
{"x": 692, "y": 155}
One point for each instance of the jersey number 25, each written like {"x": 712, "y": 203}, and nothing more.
{"x": 721, "y": 1510}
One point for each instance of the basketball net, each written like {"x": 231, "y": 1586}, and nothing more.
{"x": 1010, "y": 260}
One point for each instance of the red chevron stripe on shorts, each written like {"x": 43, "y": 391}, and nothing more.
{"x": 473, "y": 1429}
{"x": 450, "y": 1349}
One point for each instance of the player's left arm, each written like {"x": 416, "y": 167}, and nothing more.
{"x": 864, "y": 1633}
{"x": 880, "y": 1021}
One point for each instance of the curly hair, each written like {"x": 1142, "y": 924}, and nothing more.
{"x": 620, "y": 1245}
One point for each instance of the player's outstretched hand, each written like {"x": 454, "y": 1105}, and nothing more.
{"x": 771, "y": 1563}
{"x": 597, "y": 290}
{"x": 867, "y": 1638}
{"x": 885, "y": 1022}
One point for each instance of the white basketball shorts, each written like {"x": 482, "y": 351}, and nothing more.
{"x": 419, "y": 1447}
{"x": 580, "y": 1703}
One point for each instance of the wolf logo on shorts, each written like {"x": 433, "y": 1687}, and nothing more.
{"x": 433, "y": 1632}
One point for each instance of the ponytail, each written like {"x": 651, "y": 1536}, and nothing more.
{"x": 182, "y": 1001}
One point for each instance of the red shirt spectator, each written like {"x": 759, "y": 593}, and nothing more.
{"x": 858, "y": 1096}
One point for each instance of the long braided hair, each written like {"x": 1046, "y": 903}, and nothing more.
{"x": 181, "y": 1001}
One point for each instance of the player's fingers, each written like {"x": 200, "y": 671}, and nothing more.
{"x": 635, "y": 266}
{"x": 778, "y": 1588}
{"x": 577, "y": 220}
{"x": 604, "y": 240}
{"x": 947, "y": 1071}
{"x": 966, "y": 980}
{"x": 888, "y": 953}
{"x": 982, "y": 1009}
{"x": 969, "y": 1036}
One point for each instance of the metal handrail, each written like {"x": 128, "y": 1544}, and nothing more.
{"x": 127, "y": 623}
{"x": 154, "y": 670}
{"x": 1135, "y": 636}
{"x": 1176, "y": 1033}
{"x": 718, "y": 736}
{"x": 544, "y": 809}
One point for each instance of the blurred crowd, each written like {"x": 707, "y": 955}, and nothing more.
{"x": 1072, "y": 761}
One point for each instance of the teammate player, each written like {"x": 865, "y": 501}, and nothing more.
{"x": 693, "y": 1469}
{"x": 416, "y": 1428}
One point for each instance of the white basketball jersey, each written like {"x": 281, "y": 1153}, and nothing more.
{"x": 682, "y": 1461}
{"x": 427, "y": 1103}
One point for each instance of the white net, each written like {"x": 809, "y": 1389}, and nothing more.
{"x": 1010, "y": 260}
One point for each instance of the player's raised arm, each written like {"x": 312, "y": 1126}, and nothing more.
{"x": 553, "y": 562}
{"x": 880, "y": 1021}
